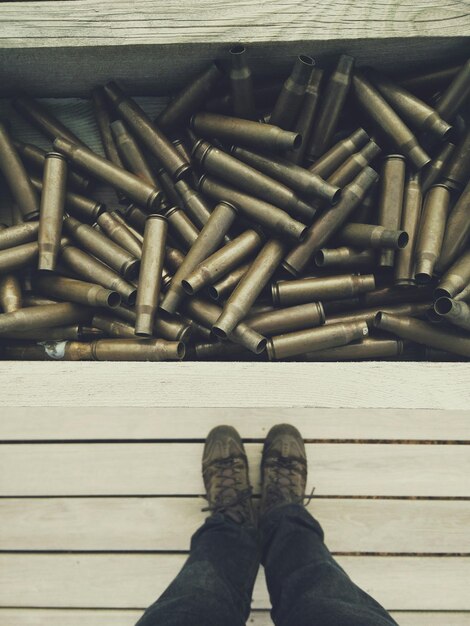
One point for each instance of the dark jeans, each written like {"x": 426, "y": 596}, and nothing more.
{"x": 306, "y": 585}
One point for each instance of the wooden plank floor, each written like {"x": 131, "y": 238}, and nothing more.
{"x": 96, "y": 521}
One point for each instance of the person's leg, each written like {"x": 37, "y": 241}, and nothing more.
{"x": 215, "y": 585}
{"x": 306, "y": 585}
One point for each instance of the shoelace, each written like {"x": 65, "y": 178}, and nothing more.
{"x": 287, "y": 468}
{"x": 242, "y": 496}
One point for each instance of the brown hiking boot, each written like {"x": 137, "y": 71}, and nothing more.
{"x": 225, "y": 473}
{"x": 283, "y": 468}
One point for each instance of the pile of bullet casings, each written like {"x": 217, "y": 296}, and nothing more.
{"x": 322, "y": 218}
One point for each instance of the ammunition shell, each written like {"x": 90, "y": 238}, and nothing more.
{"x": 12, "y": 236}
{"x": 119, "y": 233}
{"x": 148, "y": 291}
{"x": 346, "y": 258}
{"x": 16, "y": 177}
{"x": 422, "y": 332}
{"x": 290, "y": 292}
{"x": 394, "y": 295}
{"x": 297, "y": 178}
{"x": 166, "y": 327}
{"x": 174, "y": 258}
{"x": 171, "y": 195}
{"x": 455, "y": 95}
{"x": 453, "y": 311}
{"x": 137, "y": 350}
{"x": 331, "y": 106}
{"x": 404, "y": 260}
{"x": 10, "y": 293}
{"x": 18, "y": 257}
{"x": 79, "y": 206}
{"x": 250, "y": 286}
{"x": 307, "y": 115}
{"x": 369, "y": 348}
{"x": 131, "y": 153}
{"x": 264, "y": 95}
{"x": 457, "y": 171}
{"x": 330, "y": 221}
{"x": 222, "y": 261}
{"x": 241, "y": 82}
{"x": 336, "y": 155}
{"x": 194, "y": 203}
{"x": 113, "y": 327}
{"x": 72, "y": 290}
{"x": 456, "y": 278}
{"x": 321, "y": 338}
{"x": 50, "y": 351}
{"x": 264, "y": 213}
{"x": 370, "y": 236}
{"x": 354, "y": 164}
{"x": 385, "y": 117}
{"x": 181, "y": 226}
{"x": 148, "y": 133}
{"x": 45, "y": 316}
{"x": 227, "y": 284}
{"x": 431, "y": 232}
{"x": 30, "y": 299}
{"x": 289, "y": 101}
{"x": 136, "y": 217}
{"x": 392, "y": 188}
{"x": 287, "y": 320}
{"x": 220, "y": 351}
{"x": 366, "y": 212}
{"x": 73, "y": 332}
{"x": 464, "y": 294}
{"x": 119, "y": 218}
{"x": 457, "y": 231}
{"x": 208, "y": 240}
{"x": 433, "y": 170}
{"x": 52, "y": 210}
{"x": 413, "y": 309}
{"x": 431, "y": 79}
{"x": 181, "y": 147}
{"x": 247, "y": 133}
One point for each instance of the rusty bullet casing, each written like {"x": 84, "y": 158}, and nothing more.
{"x": 296, "y": 178}
{"x": 289, "y": 101}
{"x": 453, "y": 311}
{"x": 457, "y": 171}
{"x": 346, "y": 258}
{"x": 434, "y": 169}
{"x": 369, "y": 348}
{"x": 454, "y": 97}
{"x": 424, "y": 333}
{"x": 456, "y": 278}
{"x": 119, "y": 233}
{"x": 52, "y": 210}
{"x": 224, "y": 286}
{"x": 150, "y": 276}
{"x": 377, "y": 108}
{"x": 222, "y": 261}
{"x": 194, "y": 203}
{"x": 337, "y": 154}
{"x": 331, "y": 105}
{"x": 287, "y": 320}
{"x": 208, "y": 240}
{"x": 45, "y": 316}
{"x": 412, "y": 309}
{"x": 260, "y": 211}
{"x": 72, "y": 290}
{"x": 78, "y": 205}
{"x": 250, "y": 286}
{"x": 256, "y": 135}
{"x": 241, "y": 82}
{"x": 10, "y": 293}
{"x": 320, "y": 338}
{"x": 149, "y": 134}
{"x": 370, "y": 236}
{"x": 133, "y": 157}
{"x": 132, "y": 186}
{"x": 181, "y": 226}
{"x": 137, "y": 350}
{"x": 249, "y": 180}
{"x": 431, "y": 232}
{"x": 18, "y": 257}
{"x": 330, "y": 221}
{"x": 16, "y": 177}
{"x": 392, "y": 188}
{"x": 307, "y": 115}
{"x": 12, "y": 236}
{"x": 410, "y": 218}
{"x": 457, "y": 231}
{"x": 93, "y": 270}
{"x": 303, "y": 290}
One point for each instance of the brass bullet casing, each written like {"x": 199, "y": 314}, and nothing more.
{"x": 171, "y": 195}
{"x": 392, "y": 189}
{"x": 73, "y": 332}
{"x": 412, "y": 309}
{"x": 301, "y": 180}
{"x": 307, "y": 115}
{"x": 46, "y": 316}
{"x": 454, "y": 97}
{"x": 149, "y": 134}
{"x": 132, "y": 186}
{"x": 103, "y": 248}
{"x": 331, "y": 105}
{"x": 16, "y": 177}
{"x": 456, "y": 278}
{"x": 369, "y": 348}
{"x": 457, "y": 171}
{"x": 10, "y": 293}
{"x": 221, "y": 288}
{"x": 464, "y": 295}
{"x": 174, "y": 258}
{"x": 119, "y": 218}
{"x": 166, "y": 326}
{"x": 137, "y": 350}
{"x": 330, "y": 221}
{"x": 346, "y": 258}
{"x": 12, "y": 236}
{"x": 431, "y": 79}
{"x": 431, "y": 232}
{"x": 414, "y": 111}
{"x": 48, "y": 351}
{"x": 370, "y": 236}
{"x": 113, "y": 327}
{"x": 208, "y": 240}
{"x": 395, "y": 295}
{"x": 457, "y": 231}
{"x": 119, "y": 233}
{"x": 424, "y": 333}
{"x": 79, "y": 206}
{"x": 133, "y": 157}
{"x": 290, "y": 292}
{"x": 223, "y": 261}
{"x": 410, "y": 218}
{"x": 207, "y": 313}
{"x": 453, "y": 311}
{"x": 190, "y": 99}
{"x": 182, "y": 227}
{"x": 241, "y": 83}
{"x": 249, "y": 180}
{"x": 382, "y": 114}
{"x": 72, "y": 290}
{"x": 194, "y": 203}
{"x": 93, "y": 270}
{"x": 256, "y": 135}
{"x": 136, "y": 217}
{"x": 150, "y": 276}
{"x": 264, "y": 95}
{"x": 337, "y": 154}
{"x": 288, "y": 319}
{"x": 354, "y": 164}
{"x": 18, "y": 257}
{"x": 250, "y": 286}
{"x": 320, "y": 338}
{"x": 290, "y": 99}
{"x": 219, "y": 351}
{"x": 259, "y": 211}
{"x": 52, "y": 210}
{"x": 432, "y": 173}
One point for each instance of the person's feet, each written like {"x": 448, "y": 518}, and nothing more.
{"x": 283, "y": 468}
{"x": 225, "y": 474}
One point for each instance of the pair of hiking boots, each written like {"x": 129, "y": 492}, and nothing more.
{"x": 226, "y": 479}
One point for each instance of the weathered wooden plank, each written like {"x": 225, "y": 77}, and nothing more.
{"x": 350, "y": 385}
{"x": 118, "y": 423}
{"x": 149, "y": 469}
{"x": 166, "y": 524}
{"x": 135, "y": 580}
